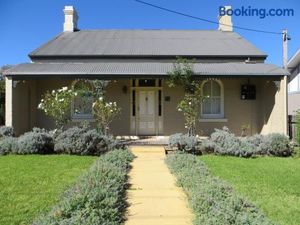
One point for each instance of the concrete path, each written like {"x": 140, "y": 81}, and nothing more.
{"x": 154, "y": 198}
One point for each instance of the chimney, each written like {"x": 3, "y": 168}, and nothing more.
{"x": 225, "y": 23}
{"x": 71, "y": 18}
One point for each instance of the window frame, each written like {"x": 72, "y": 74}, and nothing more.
{"x": 79, "y": 117}
{"x": 214, "y": 116}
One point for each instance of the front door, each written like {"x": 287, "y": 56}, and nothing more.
{"x": 146, "y": 110}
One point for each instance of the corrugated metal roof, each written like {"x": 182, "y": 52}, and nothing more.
{"x": 294, "y": 61}
{"x": 148, "y": 43}
{"x": 131, "y": 69}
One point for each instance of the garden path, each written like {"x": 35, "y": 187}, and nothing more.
{"x": 154, "y": 198}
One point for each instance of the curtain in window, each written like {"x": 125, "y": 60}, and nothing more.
{"x": 83, "y": 102}
{"x": 212, "y": 102}
{"x": 83, "y": 106}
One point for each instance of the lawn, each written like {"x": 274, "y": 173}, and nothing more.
{"x": 273, "y": 184}
{"x": 31, "y": 184}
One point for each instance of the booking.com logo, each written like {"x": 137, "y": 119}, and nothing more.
{"x": 259, "y": 12}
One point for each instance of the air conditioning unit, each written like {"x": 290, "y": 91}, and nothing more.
{"x": 248, "y": 92}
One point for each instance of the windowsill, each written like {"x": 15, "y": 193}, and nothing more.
{"x": 213, "y": 120}
{"x": 80, "y": 119}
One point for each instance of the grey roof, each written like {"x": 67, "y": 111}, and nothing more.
{"x": 294, "y": 61}
{"x": 101, "y": 43}
{"x": 131, "y": 69}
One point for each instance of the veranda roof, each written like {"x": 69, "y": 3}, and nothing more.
{"x": 111, "y": 70}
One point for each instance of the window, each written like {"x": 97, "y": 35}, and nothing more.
{"x": 82, "y": 105}
{"x": 147, "y": 83}
{"x": 212, "y": 106}
{"x": 133, "y": 102}
{"x": 159, "y": 103}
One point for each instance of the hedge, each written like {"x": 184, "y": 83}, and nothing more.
{"x": 98, "y": 197}
{"x": 212, "y": 200}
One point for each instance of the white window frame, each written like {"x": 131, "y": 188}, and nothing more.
{"x": 221, "y": 114}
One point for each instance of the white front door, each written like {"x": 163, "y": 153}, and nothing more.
{"x": 146, "y": 112}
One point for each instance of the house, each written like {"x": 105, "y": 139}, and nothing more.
{"x": 244, "y": 91}
{"x": 294, "y": 84}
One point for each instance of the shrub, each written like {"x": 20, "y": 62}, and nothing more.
{"x": 98, "y": 197}
{"x": 8, "y": 145}
{"x": 6, "y": 131}
{"x": 104, "y": 113}
{"x": 81, "y": 141}
{"x": 219, "y": 136}
{"x": 275, "y": 144}
{"x": 226, "y": 143}
{"x": 247, "y": 148}
{"x": 212, "y": 200}
{"x": 184, "y": 142}
{"x": 255, "y": 139}
{"x": 188, "y": 143}
{"x": 207, "y": 146}
{"x": 37, "y": 141}
{"x": 56, "y": 104}
{"x": 174, "y": 139}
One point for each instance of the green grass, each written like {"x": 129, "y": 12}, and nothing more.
{"x": 273, "y": 184}
{"x": 31, "y": 184}
{"x": 297, "y": 152}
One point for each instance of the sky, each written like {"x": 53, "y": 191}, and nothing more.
{"x": 27, "y": 24}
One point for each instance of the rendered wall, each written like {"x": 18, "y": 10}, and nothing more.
{"x": 264, "y": 115}
{"x": 20, "y": 105}
{"x": 274, "y": 106}
{"x": 293, "y": 103}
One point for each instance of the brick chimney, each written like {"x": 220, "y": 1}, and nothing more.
{"x": 71, "y": 18}
{"x": 225, "y": 23}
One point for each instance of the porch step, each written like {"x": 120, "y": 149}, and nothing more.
{"x": 144, "y": 140}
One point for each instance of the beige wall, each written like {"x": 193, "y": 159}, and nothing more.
{"x": 274, "y": 106}
{"x": 237, "y": 112}
{"x": 20, "y": 105}
{"x": 264, "y": 115}
{"x": 115, "y": 93}
{"x": 173, "y": 119}
{"x": 293, "y": 103}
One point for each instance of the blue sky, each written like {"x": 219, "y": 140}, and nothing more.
{"x": 26, "y": 24}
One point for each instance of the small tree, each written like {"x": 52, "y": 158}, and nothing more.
{"x": 100, "y": 88}
{"x": 104, "y": 113}
{"x": 190, "y": 104}
{"x": 181, "y": 75}
{"x": 2, "y": 77}
{"x": 190, "y": 107}
{"x": 57, "y": 104}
